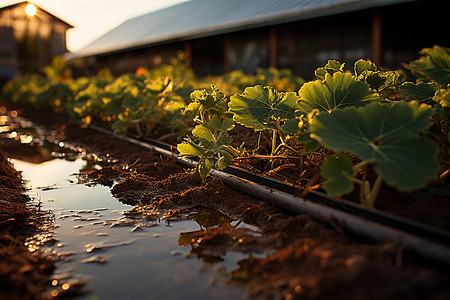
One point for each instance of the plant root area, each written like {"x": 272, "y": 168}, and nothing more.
{"x": 307, "y": 259}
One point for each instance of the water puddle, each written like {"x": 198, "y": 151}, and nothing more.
{"x": 103, "y": 251}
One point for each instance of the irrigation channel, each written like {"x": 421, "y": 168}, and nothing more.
{"x": 429, "y": 242}
{"x": 100, "y": 247}
{"x": 108, "y": 249}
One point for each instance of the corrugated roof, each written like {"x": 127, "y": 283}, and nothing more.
{"x": 200, "y": 18}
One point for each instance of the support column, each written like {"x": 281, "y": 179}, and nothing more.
{"x": 377, "y": 37}
{"x": 188, "y": 53}
{"x": 226, "y": 53}
{"x": 129, "y": 63}
{"x": 273, "y": 47}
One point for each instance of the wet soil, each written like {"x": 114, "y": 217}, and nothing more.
{"x": 307, "y": 260}
{"x": 23, "y": 275}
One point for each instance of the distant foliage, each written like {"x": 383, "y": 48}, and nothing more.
{"x": 367, "y": 125}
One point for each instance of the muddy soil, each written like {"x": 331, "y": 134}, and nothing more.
{"x": 308, "y": 259}
{"x": 23, "y": 274}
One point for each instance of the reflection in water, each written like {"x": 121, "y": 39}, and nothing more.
{"x": 105, "y": 249}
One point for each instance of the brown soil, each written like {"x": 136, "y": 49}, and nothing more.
{"x": 23, "y": 275}
{"x": 308, "y": 259}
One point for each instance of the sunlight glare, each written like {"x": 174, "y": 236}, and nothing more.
{"x": 30, "y": 10}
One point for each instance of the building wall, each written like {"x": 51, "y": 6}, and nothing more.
{"x": 129, "y": 61}
{"x": 206, "y": 55}
{"x": 306, "y": 45}
{"x": 8, "y": 56}
{"x": 409, "y": 28}
{"x": 389, "y": 36}
{"x": 29, "y": 43}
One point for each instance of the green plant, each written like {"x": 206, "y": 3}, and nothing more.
{"x": 335, "y": 91}
{"x": 147, "y": 104}
{"x": 432, "y": 71}
{"x": 382, "y": 136}
{"x": 363, "y": 126}
{"x": 433, "y": 65}
{"x": 264, "y": 108}
{"x": 209, "y": 141}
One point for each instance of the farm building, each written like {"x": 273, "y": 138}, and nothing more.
{"x": 219, "y": 36}
{"x": 29, "y": 39}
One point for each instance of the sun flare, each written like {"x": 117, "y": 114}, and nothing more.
{"x": 30, "y": 10}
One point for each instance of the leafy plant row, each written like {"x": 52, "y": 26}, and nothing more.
{"x": 363, "y": 126}
{"x": 148, "y": 102}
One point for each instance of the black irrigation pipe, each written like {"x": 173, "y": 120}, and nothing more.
{"x": 427, "y": 241}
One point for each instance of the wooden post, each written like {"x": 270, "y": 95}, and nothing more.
{"x": 129, "y": 60}
{"x": 273, "y": 47}
{"x": 188, "y": 53}
{"x": 377, "y": 37}
{"x": 226, "y": 53}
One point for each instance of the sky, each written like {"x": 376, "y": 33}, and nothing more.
{"x": 93, "y": 18}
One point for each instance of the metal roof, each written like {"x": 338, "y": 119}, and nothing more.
{"x": 201, "y": 18}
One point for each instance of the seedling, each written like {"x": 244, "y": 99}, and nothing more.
{"x": 209, "y": 141}
{"x": 264, "y": 108}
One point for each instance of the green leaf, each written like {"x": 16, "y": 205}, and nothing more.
{"x": 222, "y": 139}
{"x": 364, "y": 65}
{"x": 421, "y": 92}
{"x": 443, "y": 97}
{"x": 434, "y": 65}
{"x": 258, "y": 105}
{"x": 224, "y": 160}
{"x": 292, "y": 126}
{"x": 210, "y": 139}
{"x": 336, "y": 91}
{"x": 386, "y": 136}
{"x": 227, "y": 125}
{"x": 214, "y": 123}
{"x": 310, "y": 144}
{"x": 189, "y": 149}
{"x": 130, "y": 101}
{"x": 205, "y": 165}
{"x": 378, "y": 80}
{"x": 203, "y": 132}
{"x": 206, "y": 99}
{"x": 193, "y": 110}
{"x": 158, "y": 85}
{"x": 331, "y": 67}
{"x": 207, "y": 104}
{"x": 338, "y": 172}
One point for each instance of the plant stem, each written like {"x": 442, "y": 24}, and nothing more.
{"x": 370, "y": 200}
{"x": 310, "y": 183}
{"x": 258, "y": 143}
{"x": 269, "y": 157}
{"x": 138, "y": 129}
{"x": 444, "y": 174}
{"x": 274, "y": 171}
{"x": 363, "y": 186}
{"x": 360, "y": 165}
{"x": 274, "y": 142}
{"x": 365, "y": 192}
{"x": 203, "y": 117}
{"x": 231, "y": 150}
{"x": 357, "y": 181}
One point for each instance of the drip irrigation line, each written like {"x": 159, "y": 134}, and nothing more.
{"x": 427, "y": 241}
